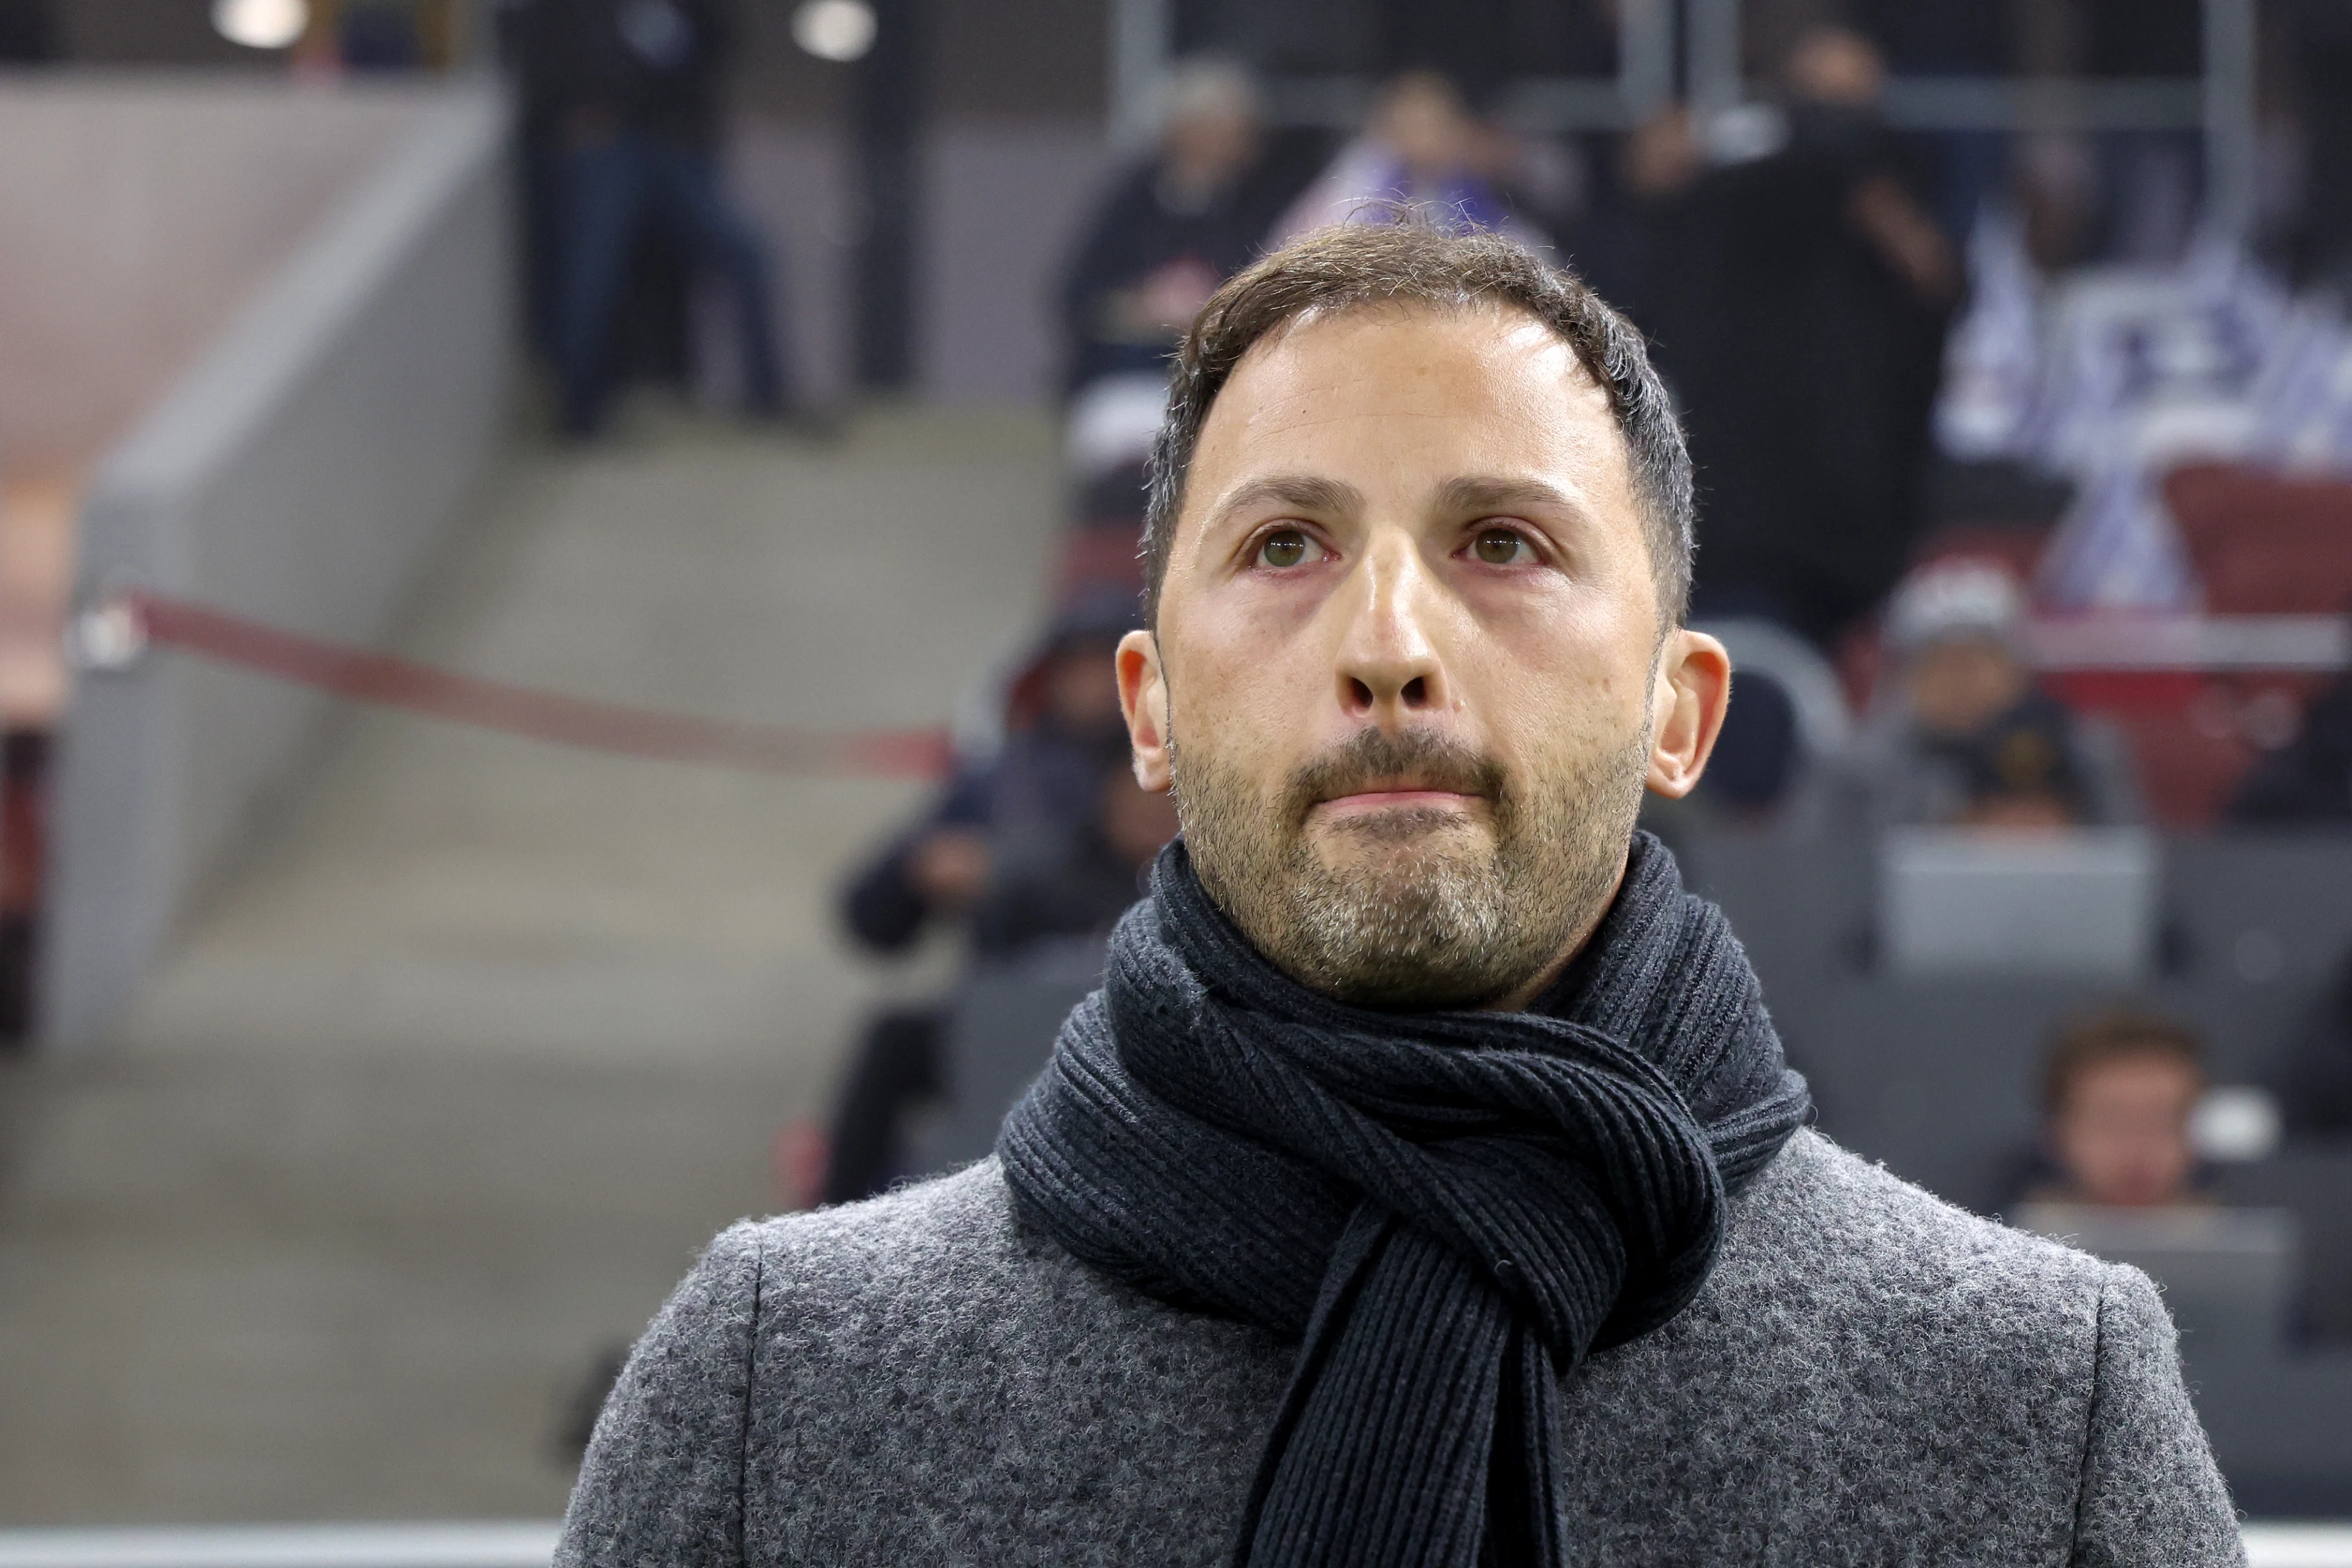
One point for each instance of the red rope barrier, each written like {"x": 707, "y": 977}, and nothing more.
{"x": 542, "y": 715}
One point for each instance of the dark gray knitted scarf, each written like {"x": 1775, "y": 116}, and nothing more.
{"x": 1447, "y": 1210}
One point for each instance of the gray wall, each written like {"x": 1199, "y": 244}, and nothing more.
{"x": 301, "y": 474}
{"x": 1002, "y": 209}
{"x": 139, "y": 212}
{"x": 1003, "y": 203}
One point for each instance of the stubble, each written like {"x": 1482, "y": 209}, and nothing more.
{"x": 1428, "y": 911}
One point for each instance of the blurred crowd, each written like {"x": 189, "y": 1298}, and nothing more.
{"x": 1953, "y": 397}
{"x": 1916, "y": 368}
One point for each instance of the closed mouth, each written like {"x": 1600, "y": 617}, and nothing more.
{"x": 1404, "y": 795}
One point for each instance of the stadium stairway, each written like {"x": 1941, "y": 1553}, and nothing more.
{"x": 444, "y": 1085}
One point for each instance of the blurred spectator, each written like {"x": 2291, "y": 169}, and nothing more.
{"x": 2316, "y": 1089}
{"x": 1074, "y": 878}
{"x": 1175, "y": 227}
{"x": 2113, "y": 195}
{"x": 629, "y": 91}
{"x": 1065, "y": 729}
{"x": 1967, "y": 737}
{"x": 1421, "y": 148}
{"x": 2307, "y": 783}
{"x": 1044, "y": 840}
{"x": 1948, "y": 41}
{"x": 2321, "y": 56}
{"x": 378, "y": 35}
{"x": 28, "y": 33}
{"x": 1631, "y": 245}
{"x": 1798, "y": 302}
{"x": 2055, "y": 180}
{"x": 1070, "y": 879}
{"x": 2116, "y": 1098}
{"x": 2150, "y": 181}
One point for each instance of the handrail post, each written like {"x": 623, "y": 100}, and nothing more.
{"x": 2232, "y": 148}
{"x": 1645, "y": 58}
{"x": 1139, "y": 44}
{"x": 1716, "y": 79}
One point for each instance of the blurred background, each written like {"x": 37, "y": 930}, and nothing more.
{"x": 557, "y": 566}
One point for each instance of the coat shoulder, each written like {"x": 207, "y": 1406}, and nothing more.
{"x": 1004, "y": 1392}
{"x": 1823, "y": 1212}
{"x": 1899, "y": 1362}
{"x": 920, "y": 1260}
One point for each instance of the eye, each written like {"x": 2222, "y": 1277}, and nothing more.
{"x": 1288, "y": 547}
{"x": 1502, "y": 547}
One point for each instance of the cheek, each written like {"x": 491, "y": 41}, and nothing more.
{"x": 1232, "y": 704}
{"x": 1570, "y": 696}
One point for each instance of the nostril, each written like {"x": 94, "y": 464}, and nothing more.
{"x": 1359, "y": 694}
{"x": 1415, "y": 692}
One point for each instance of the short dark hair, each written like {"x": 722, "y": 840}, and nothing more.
{"x": 2111, "y": 1034}
{"x": 1414, "y": 260}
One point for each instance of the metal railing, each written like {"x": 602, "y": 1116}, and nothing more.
{"x": 2219, "y": 103}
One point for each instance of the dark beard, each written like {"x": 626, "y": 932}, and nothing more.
{"x": 1424, "y": 923}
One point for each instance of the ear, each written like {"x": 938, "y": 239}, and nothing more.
{"x": 1688, "y": 698}
{"x": 1143, "y": 700}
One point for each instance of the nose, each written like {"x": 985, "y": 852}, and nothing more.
{"x": 1389, "y": 669}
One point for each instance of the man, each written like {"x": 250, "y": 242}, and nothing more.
{"x": 994, "y": 847}
{"x": 1425, "y": 1185}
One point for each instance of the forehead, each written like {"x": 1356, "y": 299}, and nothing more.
{"x": 2136, "y": 1067}
{"x": 1408, "y": 388}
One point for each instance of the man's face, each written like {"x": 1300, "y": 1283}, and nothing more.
{"x": 1408, "y": 678}
{"x": 2122, "y": 1135}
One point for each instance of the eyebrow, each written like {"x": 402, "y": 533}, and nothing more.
{"x": 1480, "y": 493}
{"x": 1305, "y": 492}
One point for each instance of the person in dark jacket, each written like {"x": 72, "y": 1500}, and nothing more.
{"x": 1177, "y": 225}
{"x": 629, "y": 92}
{"x": 2307, "y": 783}
{"x": 1024, "y": 847}
{"x": 1798, "y": 302}
{"x": 1048, "y": 884}
{"x": 1046, "y": 776}
{"x": 1077, "y": 879}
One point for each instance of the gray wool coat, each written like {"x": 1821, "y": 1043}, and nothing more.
{"x": 1869, "y": 1377}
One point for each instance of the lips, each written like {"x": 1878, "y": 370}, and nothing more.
{"x": 1404, "y": 797}
{"x": 1375, "y": 775}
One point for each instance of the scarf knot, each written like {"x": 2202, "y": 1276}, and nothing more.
{"x": 1447, "y": 1210}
